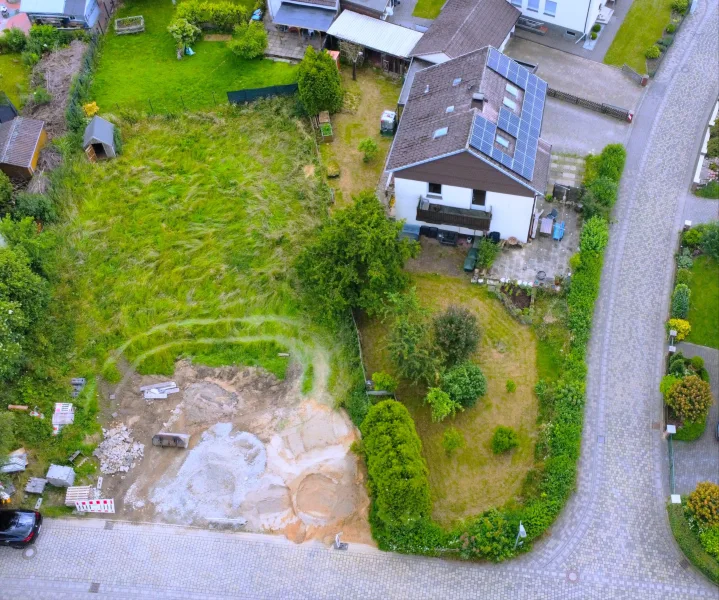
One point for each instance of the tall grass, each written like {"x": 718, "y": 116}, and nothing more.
{"x": 192, "y": 228}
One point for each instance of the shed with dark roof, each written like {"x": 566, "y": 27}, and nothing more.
{"x": 100, "y": 136}
{"x": 20, "y": 143}
{"x": 465, "y": 26}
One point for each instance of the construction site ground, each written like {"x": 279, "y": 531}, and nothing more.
{"x": 262, "y": 457}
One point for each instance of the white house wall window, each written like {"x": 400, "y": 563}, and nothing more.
{"x": 517, "y": 3}
{"x": 533, "y": 5}
{"x": 479, "y": 198}
{"x": 434, "y": 189}
{"x": 550, "y": 8}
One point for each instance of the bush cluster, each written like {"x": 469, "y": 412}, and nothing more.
{"x": 680, "y": 301}
{"x": 703, "y": 503}
{"x": 504, "y": 439}
{"x": 250, "y": 40}
{"x": 680, "y": 6}
{"x": 601, "y": 181}
{"x": 704, "y": 237}
{"x": 79, "y": 93}
{"x": 682, "y": 327}
{"x": 318, "y": 83}
{"x": 690, "y": 398}
{"x": 653, "y": 52}
{"x": 217, "y": 16}
{"x": 456, "y": 332}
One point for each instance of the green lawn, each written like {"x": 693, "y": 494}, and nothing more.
{"x": 135, "y": 68}
{"x": 185, "y": 239}
{"x": 14, "y": 77}
{"x": 641, "y": 28}
{"x": 704, "y": 303}
{"x": 474, "y": 479}
{"x": 428, "y": 9}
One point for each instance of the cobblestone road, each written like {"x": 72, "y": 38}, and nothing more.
{"x": 612, "y": 541}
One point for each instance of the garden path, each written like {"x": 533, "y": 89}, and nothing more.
{"x": 612, "y": 540}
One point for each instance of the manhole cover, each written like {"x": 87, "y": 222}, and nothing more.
{"x": 29, "y": 552}
{"x": 94, "y": 588}
{"x": 109, "y": 524}
{"x": 572, "y": 576}
{"x": 684, "y": 564}
{"x": 600, "y": 439}
{"x": 656, "y": 425}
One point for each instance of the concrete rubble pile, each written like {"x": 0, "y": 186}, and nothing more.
{"x": 118, "y": 453}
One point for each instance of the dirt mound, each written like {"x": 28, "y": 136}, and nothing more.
{"x": 206, "y": 403}
{"x": 55, "y": 73}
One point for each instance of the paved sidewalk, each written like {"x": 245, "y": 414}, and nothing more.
{"x": 699, "y": 460}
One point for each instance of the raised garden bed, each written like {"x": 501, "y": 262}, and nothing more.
{"x": 129, "y": 25}
{"x": 326, "y": 132}
{"x": 519, "y": 297}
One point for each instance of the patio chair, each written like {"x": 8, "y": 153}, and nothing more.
{"x": 553, "y": 214}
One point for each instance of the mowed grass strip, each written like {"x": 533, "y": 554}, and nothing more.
{"x": 704, "y": 302}
{"x": 199, "y": 218}
{"x": 141, "y": 70}
{"x": 641, "y": 28}
{"x": 14, "y": 77}
{"x": 428, "y": 9}
{"x": 474, "y": 479}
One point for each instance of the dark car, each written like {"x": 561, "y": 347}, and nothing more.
{"x": 19, "y": 528}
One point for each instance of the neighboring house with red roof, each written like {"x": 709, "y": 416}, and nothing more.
{"x": 20, "y": 143}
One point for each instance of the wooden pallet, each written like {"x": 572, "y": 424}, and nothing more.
{"x": 79, "y": 492}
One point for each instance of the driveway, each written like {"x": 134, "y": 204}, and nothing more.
{"x": 575, "y": 130}
{"x": 577, "y": 75}
{"x": 611, "y": 541}
{"x": 699, "y": 460}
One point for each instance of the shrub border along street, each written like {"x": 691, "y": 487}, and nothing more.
{"x": 491, "y": 535}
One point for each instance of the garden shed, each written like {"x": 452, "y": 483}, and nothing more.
{"x": 99, "y": 139}
{"x": 20, "y": 143}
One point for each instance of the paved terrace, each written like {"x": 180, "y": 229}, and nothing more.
{"x": 612, "y": 540}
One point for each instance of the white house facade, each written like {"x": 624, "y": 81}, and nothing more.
{"x": 508, "y": 214}
{"x": 573, "y": 15}
{"x": 468, "y": 156}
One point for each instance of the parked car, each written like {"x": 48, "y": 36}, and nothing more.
{"x": 19, "y": 528}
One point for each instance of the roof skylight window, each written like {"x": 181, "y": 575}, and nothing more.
{"x": 440, "y": 132}
{"x": 509, "y": 103}
{"x": 456, "y": 82}
{"x": 449, "y": 109}
{"x": 512, "y": 90}
{"x": 504, "y": 142}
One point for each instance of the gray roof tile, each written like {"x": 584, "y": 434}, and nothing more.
{"x": 432, "y": 91}
{"x": 467, "y": 25}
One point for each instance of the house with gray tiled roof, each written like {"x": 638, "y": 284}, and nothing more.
{"x": 467, "y": 25}
{"x": 468, "y": 156}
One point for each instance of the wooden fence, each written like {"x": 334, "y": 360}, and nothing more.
{"x": 608, "y": 109}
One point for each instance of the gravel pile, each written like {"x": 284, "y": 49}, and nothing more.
{"x": 118, "y": 452}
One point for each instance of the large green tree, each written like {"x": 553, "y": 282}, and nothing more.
{"x": 19, "y": 284}
{"x": 318, "y": 81}
{"x": 355, "y": 259}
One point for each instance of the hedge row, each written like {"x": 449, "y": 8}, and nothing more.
{"x": 690, "y": 544}
{"x": 80, "y": 90}
{"x": 219, "y": 16}
{"x": 398, "y": 482}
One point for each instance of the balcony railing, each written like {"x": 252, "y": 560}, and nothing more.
{"x": 439, "y": 214}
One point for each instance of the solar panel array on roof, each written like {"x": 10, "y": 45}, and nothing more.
{"x": 525, "y": 128}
